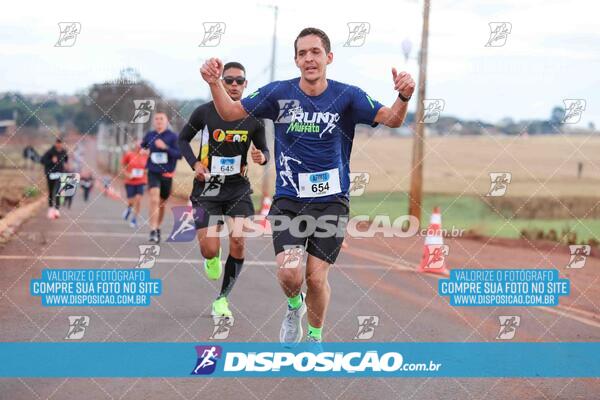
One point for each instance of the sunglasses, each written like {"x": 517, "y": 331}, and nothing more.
{"x": 238, "y": 79}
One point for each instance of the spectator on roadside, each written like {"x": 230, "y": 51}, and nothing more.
{"x": 54, "y": 161}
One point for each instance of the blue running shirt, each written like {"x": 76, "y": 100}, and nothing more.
{"x": 313, "y": 136}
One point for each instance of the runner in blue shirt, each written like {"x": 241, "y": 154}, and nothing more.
{"x": 164, "y": 153}
{"x": 314, "y": 121}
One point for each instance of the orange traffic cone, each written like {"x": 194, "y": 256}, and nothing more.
{"x": 434, "y": 251}
{"x": 264, "y": 211}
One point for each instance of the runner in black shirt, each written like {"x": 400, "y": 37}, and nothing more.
{"x": 221, "y": 187}
{"x": 54, "y": 161}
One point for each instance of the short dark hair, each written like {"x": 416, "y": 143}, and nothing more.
{"x": 313, "y": 31}
{"x": 162, "y": 110}
{"x": 233, "y": 64}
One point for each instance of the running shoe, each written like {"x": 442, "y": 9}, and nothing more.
{"x": 291, "y": 327}
{"x": 220, "y": 308}
{"x": 314, "y": 345}
{"x": 153, "y": 237}
{"x": 126, "y": 213}
{"x": 213, "y": 267}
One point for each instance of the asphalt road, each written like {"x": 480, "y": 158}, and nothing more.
{"x": 372, "y": 277}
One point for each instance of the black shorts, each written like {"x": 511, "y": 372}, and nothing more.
{"x": 134, "y": 190}
{"x": 205, "y": 209}
{"x": 320, "y": 241}
{"x": 156, "y": 179}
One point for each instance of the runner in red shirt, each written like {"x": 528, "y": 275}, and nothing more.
{"x": 134, "y": 171}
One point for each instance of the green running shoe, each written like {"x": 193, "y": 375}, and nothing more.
{"x": 220, "y": 308}
{"x": 213, "y": 267}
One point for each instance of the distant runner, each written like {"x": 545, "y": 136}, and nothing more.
{"x": 54, "y": 161}
{"x": 164, "y": 154}
{"x": 134, "y": 164}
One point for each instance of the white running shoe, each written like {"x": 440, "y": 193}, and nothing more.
{"x": 291, "y": 327}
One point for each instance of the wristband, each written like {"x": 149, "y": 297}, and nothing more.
{"x": 404, "y": 99}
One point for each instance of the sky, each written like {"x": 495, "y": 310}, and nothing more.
{"x": 551, "y": 53}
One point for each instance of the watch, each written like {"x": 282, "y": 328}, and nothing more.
{"x": 404, "y": 99}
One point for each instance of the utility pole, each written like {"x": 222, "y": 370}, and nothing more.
{"x": 416, "y": 179}
{"x": 273, "y": 50}
{"x": 266, "y": 182}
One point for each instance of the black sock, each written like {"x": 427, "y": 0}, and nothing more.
{"x": 233, "y": 267}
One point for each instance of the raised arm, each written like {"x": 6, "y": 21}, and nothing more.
{"x": 228, "y": 109}
{"x": 394, "y": 116}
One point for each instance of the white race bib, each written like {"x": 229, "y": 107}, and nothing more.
{"x": 225, "y": 165}
{"x": 159, "y": 158}
{"x": 319, "y": 184}
{"x": 53, "y": 175}
{"x": 137, "y": 173}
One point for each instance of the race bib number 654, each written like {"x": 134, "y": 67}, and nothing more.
{"x": 319, "y": 184}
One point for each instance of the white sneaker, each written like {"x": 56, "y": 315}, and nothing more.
{"x": 315, "y": 345}
{"x": 291, "y": 327}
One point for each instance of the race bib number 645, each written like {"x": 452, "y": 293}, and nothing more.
{"x": 225, "y": 165}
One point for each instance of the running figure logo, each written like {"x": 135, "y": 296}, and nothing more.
{"x": 437, "y": 255}
{"x": 499, "y": 184}
{"x": 287, "y": 110}
{"x": 573, "y": 110}
{"x": 579, "y": 254}
{"x": 287, "y": 172}
{"x": 222, "y": 326}
{"x": 432, "y": 110}
{"x": 207, "y": 359}
{"x": 212, "y": 34}
{"x": 143, "y": 110}
{"x": 366, "y": 326}
{"x": 68, "y": 184}
{"x": 358, "y": 183}
{"x": 499, "y": 32}
{"x": 213, "y": 184}
{"x": 77, "y": 325}
{"x": 357, "y": 33}
{"x": 330, "y": 123}
{"x": 292, "y": 256}
{"x": 508, "y": 326}
{"x": 184, "y": 229}
{"x": 68, "y": 34}
{"x": 148, "y": 255}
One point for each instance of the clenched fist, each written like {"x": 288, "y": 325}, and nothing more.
{"x": 160, "y": 144}
{"x": 403, "y": 83}
{"x": 211, "y": 70}
{"x": 201, "y": 172}
{"x": 257, "y": 155}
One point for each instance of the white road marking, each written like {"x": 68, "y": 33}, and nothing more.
{"x": 166, "y": 261}
{"x": 384, "y": 260}
{"x": 585, "y": 317}
{"x": 101, "y": 221}
{"x": 84, "y": 234}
